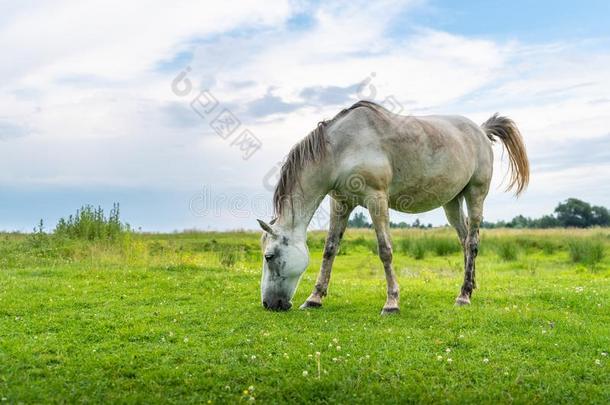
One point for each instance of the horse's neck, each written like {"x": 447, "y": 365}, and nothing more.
{"x": 305, "y": 199}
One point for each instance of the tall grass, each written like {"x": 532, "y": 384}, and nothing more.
{"x": 508, "y": 250}
{"x": 586, "y": 251}
{"x": 419, "y": 247}
{"x": 229, "y": 256}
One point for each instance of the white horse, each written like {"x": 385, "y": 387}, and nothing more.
{"x": 368, "y": 156}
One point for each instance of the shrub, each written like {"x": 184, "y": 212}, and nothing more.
{"x": 39, "y": 238}
{"x": 92, "y": 224}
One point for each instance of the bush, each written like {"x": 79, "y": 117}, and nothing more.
{"x": 586, "y": 251}
{"x": 92, "y": 224}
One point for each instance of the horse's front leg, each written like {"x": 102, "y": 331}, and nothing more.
{"x": 339, "y": 215}
{"x": 381, "y": 221}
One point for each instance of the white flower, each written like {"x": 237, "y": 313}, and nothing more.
{"x": 448, "y": 350}
{"x": 485, "y": 360}
{"x": 186, "y": 340}
{"x": 604, "y": 354}
{"x": 253, "y": 357}
{"x": 335, "y": 340}
{"x": 334, "y": 359}
{"x": 305, "y": 373}
{"x": 598, "y": 362}
{"x": 339, "y": 348}
{"x": 439, "y": 357}
{"x": 449, "y": 360}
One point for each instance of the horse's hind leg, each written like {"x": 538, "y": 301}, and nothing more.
{"x": 475, "y": 196}
{"x": 339, "y": 215}
{"x": 456, "y": 218}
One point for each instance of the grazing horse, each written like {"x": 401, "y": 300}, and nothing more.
{"x": 368, "y": 156}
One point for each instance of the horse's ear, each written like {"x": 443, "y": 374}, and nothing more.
{"x": 266, "y": 227}
{"x": 272, "y": 221}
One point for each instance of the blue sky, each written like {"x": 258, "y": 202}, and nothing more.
{"x": 88, "y": 114}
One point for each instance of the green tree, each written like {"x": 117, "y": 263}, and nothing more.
{"x": 574, "y": 213}
{"x": 358, "y": 221}
{"x": 601, "y": 216}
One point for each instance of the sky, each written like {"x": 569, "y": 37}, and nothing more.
{"x": 108, "y": 101}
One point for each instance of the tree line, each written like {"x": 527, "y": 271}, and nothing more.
{"x": 572, "y": 213}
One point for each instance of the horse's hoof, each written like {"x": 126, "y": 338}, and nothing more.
{"x": 310, "y": 304}
{"x": 389, "y": 311}
{"x": 461, "y": 301}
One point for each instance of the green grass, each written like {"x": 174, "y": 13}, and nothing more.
{"x": 177, "y": 318}
{"x": 587, "y": 251}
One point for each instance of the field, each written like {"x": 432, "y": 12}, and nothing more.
{"x": 177, "y": 318}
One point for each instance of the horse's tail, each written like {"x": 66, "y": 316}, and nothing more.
{"x": 506, "y": 129}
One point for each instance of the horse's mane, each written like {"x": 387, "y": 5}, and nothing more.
{"x": 309, "y": 150}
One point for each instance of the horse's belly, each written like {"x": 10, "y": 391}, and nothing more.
{"x": 422, "y": 198}
{"x": 425, "y": 193}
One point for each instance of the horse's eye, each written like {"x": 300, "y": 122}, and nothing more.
{"x": 269, "y": 256}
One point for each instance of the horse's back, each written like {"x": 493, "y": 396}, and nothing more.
{"x": 424, "y": 160}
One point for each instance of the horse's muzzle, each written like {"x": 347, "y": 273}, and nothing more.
{"x": 277, "y": 304}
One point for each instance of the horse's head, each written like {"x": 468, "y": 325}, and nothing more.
{"x": 285, "y": 259}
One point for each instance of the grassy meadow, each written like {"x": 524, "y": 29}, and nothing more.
{"x": 176, "y": 318}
